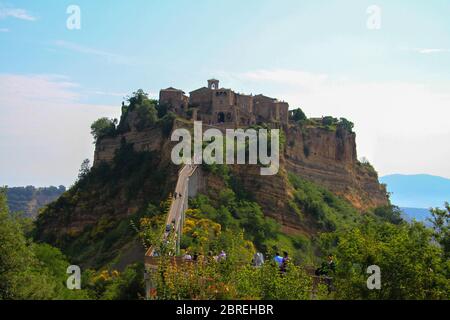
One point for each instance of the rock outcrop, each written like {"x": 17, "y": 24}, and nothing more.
{"x": 326, "y": 157}
{"x": 140, "y": 172}
{"x": 329, "y": 158}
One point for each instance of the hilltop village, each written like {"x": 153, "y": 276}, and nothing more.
{"x": 214, "y": 105}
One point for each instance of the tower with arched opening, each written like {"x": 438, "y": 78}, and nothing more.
{"x": 213, "y": 84}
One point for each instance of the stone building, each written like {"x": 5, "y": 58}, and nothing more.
{"x": 175, "y": 98}
{"x": 216, "y": 106}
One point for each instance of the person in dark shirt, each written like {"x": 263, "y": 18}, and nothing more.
{"x": 327, "y": 268}
{"x": 331, "y": 264}
{"x": 285, "y": 262}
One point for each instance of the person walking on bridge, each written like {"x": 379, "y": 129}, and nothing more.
{"x": 222, "y": 256}
{"x": 278, "y": 259}
{"x": 326, "y": 271}
{"x": 285, "y": 262}
{"x": 187, "y": 256}
{"x": 258, "y": 259}
{"x": 327, "y": 268}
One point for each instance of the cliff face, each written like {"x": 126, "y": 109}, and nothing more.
{"x": 109, "y": 194}
{"x": 272, "y": 193}
{"x": 329, "y": 158}
{"x": 326, "y": 157}
{"x": 30, "y": 199}
{"x": 133, "y": 173}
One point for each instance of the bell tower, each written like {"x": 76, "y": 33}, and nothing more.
{"x": 213, "y": 84}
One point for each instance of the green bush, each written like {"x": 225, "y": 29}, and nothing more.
{"x": 412, "y": 265}
{"x": 29, "y": 270}
{"x": 298, "y": 115}
{"x": 102, "y": 128}
{"x": 232, "y": 213}
{"x": 129, "y": 285}
{"x": 167, "y": 122}
{"x": 329, "y": 211}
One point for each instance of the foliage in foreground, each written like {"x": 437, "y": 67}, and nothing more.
{"x": 441, "y": 227}
{"x": 33, "y": 271}
{"x": 412, "y": 265}
{"x": 233, "y": 279}
{"x": 114, "y": 285}
{"x": 29, "y": 270}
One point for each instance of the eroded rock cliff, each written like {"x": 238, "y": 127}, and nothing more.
{"x": 133, "y": 168}
{"x": 329, "y": 158}
{"x": 326, "y": 157}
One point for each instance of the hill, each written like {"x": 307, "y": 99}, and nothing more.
{"x": 30, "y": 199}
{"x": 321, "y": 201}
{"x": 417, "y": 191}
{"x": 320, "y": 186}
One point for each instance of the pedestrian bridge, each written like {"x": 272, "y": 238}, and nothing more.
{"x": 187, "y": 186}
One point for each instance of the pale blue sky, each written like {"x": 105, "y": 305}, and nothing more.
{"x": 394, "y": 83}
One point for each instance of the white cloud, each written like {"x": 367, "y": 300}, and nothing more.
{"x": 44, "y": 129}
{"x": 429, "y": 50}
{"x": 402, "y": 127}
{"x": 16, "y": 13}
{"x": 110, "y": 57}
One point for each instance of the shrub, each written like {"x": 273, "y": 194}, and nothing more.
{"x": 298, "y": 115}
{"x": 412, "y": 266}
{"x": 103, "y": 127}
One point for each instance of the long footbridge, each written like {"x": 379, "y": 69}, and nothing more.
{"x": 187, "y": 186}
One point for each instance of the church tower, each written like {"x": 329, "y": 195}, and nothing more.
{"x": 213, "y": 84}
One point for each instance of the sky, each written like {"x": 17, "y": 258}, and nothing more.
{"x": 392, "y": 81}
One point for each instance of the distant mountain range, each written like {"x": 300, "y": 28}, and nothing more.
{"x": 417, "y": 214}
{"x": 417, "y": 191}
{"x": 415, "y": 194}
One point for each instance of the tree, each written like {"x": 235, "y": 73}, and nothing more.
{"x": 103, "y": 127}
{"x": 28, "y": 270}
{"x": 390, "y": 213}
{"x": 137, "y": 98}
{"x": 162, "y": 110}
{"x": 147, "y": 110}
{"x": 84, "y": 169}
{"x": 328, "y": 121}
{"x": 147, "y": 114}
{"x": 441, "y": 226}
{"x": 128, "y": 285}
{"x": 298, "y": 115}
{"x": 347, "y": 125}
{"x": 15, "y": 257}
{"x": 412, "y": 266}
